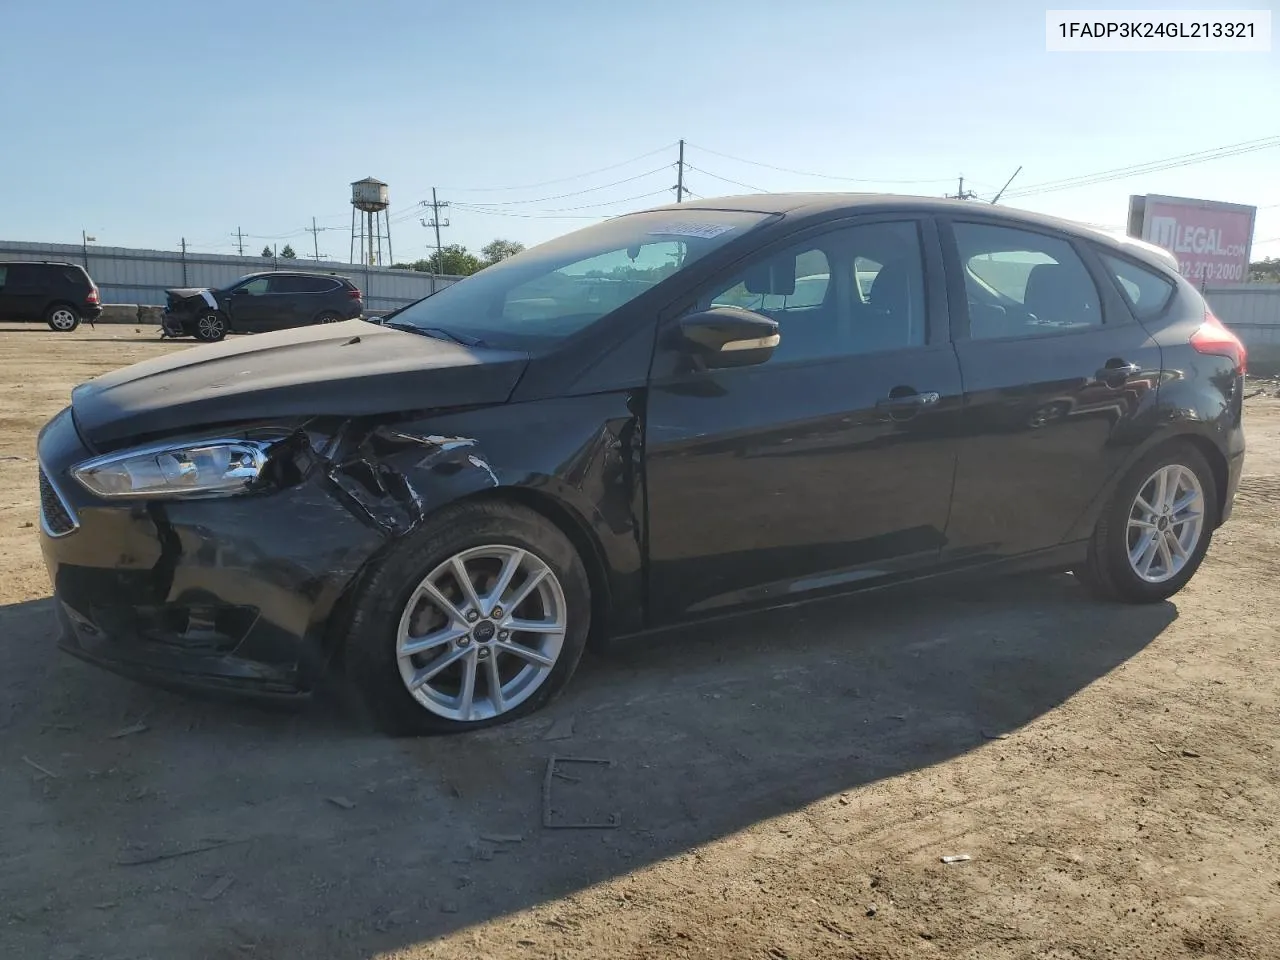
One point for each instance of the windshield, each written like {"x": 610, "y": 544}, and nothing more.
{"x": 558, "y": 288}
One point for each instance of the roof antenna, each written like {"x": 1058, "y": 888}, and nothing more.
{"x": 1006, "y": 186}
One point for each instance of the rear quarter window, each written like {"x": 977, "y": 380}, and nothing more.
{"x": 1147, "y": 292}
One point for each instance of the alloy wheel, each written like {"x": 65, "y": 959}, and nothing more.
{"x": 481, "y": 633}
{"x": 211, "y": 327}
{"x": 1165, "y": 524}
{"x": 62, "y": 319}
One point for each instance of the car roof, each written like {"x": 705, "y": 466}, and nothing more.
{"x": 292, "y": 273}
{"x": 830, "y": 204}
{"x": 39, "y": 263}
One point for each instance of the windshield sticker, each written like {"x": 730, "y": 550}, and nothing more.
{"x": 704, "y": 231}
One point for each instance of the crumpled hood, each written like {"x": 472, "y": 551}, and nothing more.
{"x": 346, "y": 369}
{"x": 182, "y": 293}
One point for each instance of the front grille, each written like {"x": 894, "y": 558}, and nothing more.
{"x": 54, "y": 514}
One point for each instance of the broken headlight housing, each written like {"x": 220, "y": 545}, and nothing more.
{"x": 198, "y": 468}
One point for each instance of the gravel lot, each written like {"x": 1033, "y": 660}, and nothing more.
{"x": 786, "y": 784}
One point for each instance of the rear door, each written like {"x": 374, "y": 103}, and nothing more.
{"x": 26, "y": 293}
{"x": 1058, "y": 381}
{"x": 830, "y": 463}
{"x": 8, "y": 303}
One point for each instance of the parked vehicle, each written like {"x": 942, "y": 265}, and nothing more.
{"x": 60, "y": 294}
{"x": 260, "y": 302}
{"x": 446, "y": 505}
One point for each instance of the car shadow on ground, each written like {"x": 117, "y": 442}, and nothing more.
{"x": 221, "y": 828}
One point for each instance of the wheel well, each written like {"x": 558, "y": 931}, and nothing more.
{"x": 337, "y": 624}
{"x": 61, "y": 303}
{"x": 1212, "y": 455}
{"x": 584, "y": 542}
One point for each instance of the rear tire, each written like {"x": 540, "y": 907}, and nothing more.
{"x": 530, "y": 649}
{"x": 211, "y": 326}
{"x": 62, "y": 318}
{"x": 1151, "y": 539}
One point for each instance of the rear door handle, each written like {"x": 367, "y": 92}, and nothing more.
{"x": 1117, "y": 370}
{"x": 908, "y": 401}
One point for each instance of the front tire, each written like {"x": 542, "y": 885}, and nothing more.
{"x": 62, "y": 318}
{"x": 211, "y": 326}
{"x": 1153, "y": 535}
{"x": 478, "y": 618}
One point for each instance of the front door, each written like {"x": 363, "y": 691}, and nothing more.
{"x": 1057, "y": 377}
{"x": 826, "y": 465}
{"x": 252, "y": 306}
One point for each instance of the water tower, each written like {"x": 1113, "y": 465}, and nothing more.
{"x": 369, "y": 224}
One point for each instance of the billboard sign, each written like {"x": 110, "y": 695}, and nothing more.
{"x": 1210, "y": 239}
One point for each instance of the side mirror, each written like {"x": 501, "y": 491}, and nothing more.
{"x": 729, "y": 337}
{"x": 378, "y": 320}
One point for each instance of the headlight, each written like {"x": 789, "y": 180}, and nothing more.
{"x": 198, "y": 468}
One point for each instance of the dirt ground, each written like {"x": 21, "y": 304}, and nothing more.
{"x": 786, "y": 785}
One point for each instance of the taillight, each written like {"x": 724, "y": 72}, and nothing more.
{"x": 353, "y": 293}
{"x": 92, "y": 296}
{"x": 1212, "y": 337}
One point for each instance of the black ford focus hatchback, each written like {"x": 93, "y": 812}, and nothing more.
{"x": 677, "y": 414}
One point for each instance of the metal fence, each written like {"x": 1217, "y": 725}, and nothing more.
{"x": 126, "y": 275}
{"x": 1252, "y": 310}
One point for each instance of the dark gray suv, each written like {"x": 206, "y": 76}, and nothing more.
{"x": 60, "y": 294}
{"x": 261, "y": 302}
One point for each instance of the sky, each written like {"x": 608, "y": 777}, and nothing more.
{"x": 158, "y": 121}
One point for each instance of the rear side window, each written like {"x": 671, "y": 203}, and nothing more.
{"x": 72, "y": 275}
{"x": 1147, "y": 291}
{"x": 4, "y": 273}
{"x": 1024, "y": 284}
{"x": 317, "y": 285}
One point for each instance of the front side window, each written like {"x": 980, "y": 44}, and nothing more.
{"x": 558, "y": 288}
{"x": 852, "y": 291}
{"x": 1023, "y": 284}
{"x": 256, "y": 287}
{"x": 4, "y": 273}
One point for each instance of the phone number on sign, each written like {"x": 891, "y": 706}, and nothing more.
{"x": 1207, "y": 270}
{"x": 1170, "y": 30}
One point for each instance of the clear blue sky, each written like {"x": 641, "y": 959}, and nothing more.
{"x": 143, "y": 121}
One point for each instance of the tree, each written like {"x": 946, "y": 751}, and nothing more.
{"x": 453, "y": 260}
{"x": 500, "y": 249}
{"x": 1266, "y": 270}
{"x": 266, "y": 252}
{"x": 287, "y": 253}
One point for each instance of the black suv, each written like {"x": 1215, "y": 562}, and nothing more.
{"x": 60, "y": 294}
{"x": 260, "y": 302}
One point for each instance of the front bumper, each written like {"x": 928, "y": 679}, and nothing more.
{"x": 177, "y": 324}
{"x": 230, "y": 594}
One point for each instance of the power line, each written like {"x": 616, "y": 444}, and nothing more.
{"x": 809, "y": 173}
{"x": 576, "y": 176}
{"x": 1151, "y": 166}
{"x": 573, "y": 193}
{"x": 717, "y": 176}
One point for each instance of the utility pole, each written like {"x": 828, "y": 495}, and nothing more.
{"x": 240, "y": 240}
{"x": 184, "y": 261}
{"x": 961, "y": 193}
{"x": 435, "y": 222}
{"x": 680, "y": 175}
{"x": 315, "y": 238}
{"x": 85, "y": 239}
